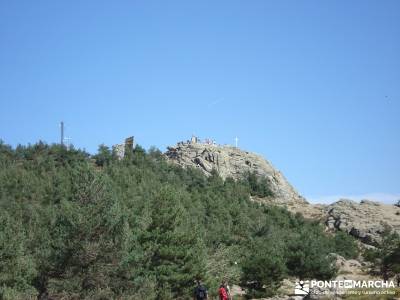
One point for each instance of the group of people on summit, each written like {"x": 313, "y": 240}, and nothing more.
{"x": 201, "y": 293}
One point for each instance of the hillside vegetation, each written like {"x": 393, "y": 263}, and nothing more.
{"x": 83, "y": 227}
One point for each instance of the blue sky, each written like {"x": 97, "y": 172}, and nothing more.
{"x": 312, "y": 86}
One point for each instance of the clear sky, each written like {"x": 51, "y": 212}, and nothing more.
{"x": 313, "y": 86}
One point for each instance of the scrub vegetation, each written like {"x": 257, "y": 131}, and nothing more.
{"x": 76, "y": 226}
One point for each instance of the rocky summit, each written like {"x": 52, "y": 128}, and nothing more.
{"x": 365, "y": 220}
{"x": 232, "y": 162}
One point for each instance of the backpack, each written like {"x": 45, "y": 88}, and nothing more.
{"x": 201, "y": 292}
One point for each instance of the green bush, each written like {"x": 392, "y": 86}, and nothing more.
{"x": 386, "y": 256}
{"x": 345, "y": 245}
{"x": 263, "y": 268}
{"x": 258, "y": 186}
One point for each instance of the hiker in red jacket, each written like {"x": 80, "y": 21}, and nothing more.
{"x": 223, "y": 295}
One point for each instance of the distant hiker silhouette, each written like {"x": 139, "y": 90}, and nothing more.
{"x": 200, "y": 292}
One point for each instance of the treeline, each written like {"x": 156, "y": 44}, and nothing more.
{"x": 385, "y": 258}
{"x": 95, "y": 227}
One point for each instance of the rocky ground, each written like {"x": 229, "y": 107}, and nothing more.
{"x": 365, "y": 220}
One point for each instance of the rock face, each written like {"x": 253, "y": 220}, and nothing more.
{"x": 230, "y": 161}
{"x": 365, "y": 220}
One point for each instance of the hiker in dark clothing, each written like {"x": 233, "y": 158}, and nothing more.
{"x": 398, "y": 280}
{"x": 200, "y": 292}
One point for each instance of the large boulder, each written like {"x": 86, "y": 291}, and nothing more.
{"x": 366, "y": 220}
